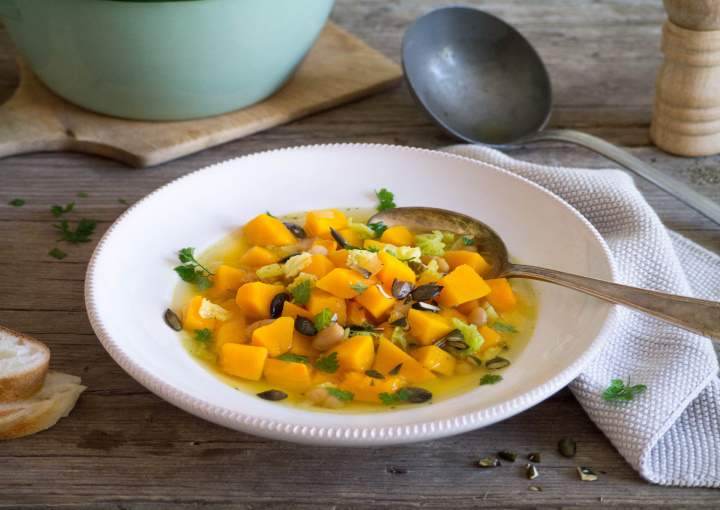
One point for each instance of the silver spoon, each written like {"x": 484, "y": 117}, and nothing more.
{"x": 481, "y": 81}
{"x": 696, "y": 315}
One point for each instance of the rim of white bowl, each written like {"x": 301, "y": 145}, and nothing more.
{"x": 352, "y": 435}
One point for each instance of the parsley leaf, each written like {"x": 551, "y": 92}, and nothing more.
{"x": 301, "y": 292}
{"x": 268, "y": 213}
{"x": 468, "y": 241}
{"x": 386, "y": 199}
{"x": 501, "y": 326}
{"x": 82, "y": 194}
{"x": 203, "y": 335}
{"x": 17, "y": 202}
{"x": 371, "y": 249}
{"x": 341, "y": 395}
{"x": 323, "y": 319}
{"x": 490, "y": 379}
{"x": 359, "y": 288}
{"x": 58, "y": 210}
{"x": 58, "y": 254}
{"x": 193, "y": 272}
{"x": 328, "y": 364}
{"x": 402, "y": 395}
{"x": 123, "y": 202}
{"x": 293, "y": 358}
{"x": 84, "y": 228}
{"x": 379, "y": 228}
{"x": 619, "y": 391}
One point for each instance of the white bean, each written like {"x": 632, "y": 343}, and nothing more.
{"x": 328, "y": 337}
{"x": 318, "y": 395}
{"x": 318, "y": 250}
{"x": 478, "y": 317}
{"x": 333, "y": 402}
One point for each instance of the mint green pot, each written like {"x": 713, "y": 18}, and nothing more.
{"x": 166, "y": 60}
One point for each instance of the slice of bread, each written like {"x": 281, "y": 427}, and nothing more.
{"x": 23, "y": 365}
{"x": 42, "y": 410}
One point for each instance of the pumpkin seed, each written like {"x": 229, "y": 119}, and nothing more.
{"x": 455, "y": 336}
{"x": 535, "y": 457}
{"x": 418, "y": 395}
{"x": 273, "y": 395}
{"x": 340, "y": 239}
{"x": 400, "y": 323}
{"x": 426, "y": 292}
{"x": 567, "y": 447}
{"x": 401, "y": 289}
{"x": 477, "y": 361}
{"x": 382, "y": 292}
{"x": 305, "y": 326}
{"x": 374, "y": 374}
{"x": 296, "y": 230}
{"x": 497, "y": 363}
{"x": 395, "y": 370}
{"x": 361, "y": 271}
{"x": 456, "y": 344}
{"x": 532, "y": 472}
{"x": 173, "y": 320}
{"x": 276, "y": 305}
{"x": 417, "y": 267}
{"x": 538, "y": 488}
{"x": 425, "y": 307}
{"x": 285, "y": 259}
{"x": 508, "y": 456}
{"x": 440, "y": 343}
{"x": 586, "y": 475}
{"x": 488, "y": 463}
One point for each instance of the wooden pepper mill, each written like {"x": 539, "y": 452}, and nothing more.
{"x": 686, "y": 109}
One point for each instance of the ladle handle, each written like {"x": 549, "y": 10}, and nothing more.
{"x": 696, "y": 315}
{"x": 685, "y": 194}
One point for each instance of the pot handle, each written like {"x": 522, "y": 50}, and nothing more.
{"x": 8, "y": 9}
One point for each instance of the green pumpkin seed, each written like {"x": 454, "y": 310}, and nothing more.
{"x": 418, "y": 395}
{"x": 567, "y": 447}
{"x": 173, "y": 320}
{"x": 296, "y": 230}
{"x": 586, "y": 475}
{"x": 497, "y": 363}
{"x": 273, "y": 395}
{"x": 488, "y": 463}
{"x": 508, "y": 456}
{"x": 532, "y": 472}
{"x": 535, "y": 457}
{"x": 374, "y": 374}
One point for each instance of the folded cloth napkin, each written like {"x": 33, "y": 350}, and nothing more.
{"x": 669, "y": 433}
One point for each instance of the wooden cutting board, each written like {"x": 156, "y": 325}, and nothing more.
{"x": 338, "y": 69}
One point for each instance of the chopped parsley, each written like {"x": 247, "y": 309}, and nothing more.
{"x": 328, "y": 364}
{"x": 293, "y": 358}
{"x": 323, "y": 319}
{"x": 82, "y": 194}
{"x": 59, "y": 210}
{"x": 619, "y": 391}
{"x": 301, "y": 292}
{"x": 193, "y": 272}
{"x": 267, "y": 213}
{"x": 490, "y": 379}
{"x": 379, "y": 228}
{"x": 123, "y": 202}
{"x": 84, "y": 228}
{"x": 501, "y": 326}
{"x": 402, "y": 395}
{"x": 386, "y": 199}
{"x": 204, "y": 336}
{"x": 58, "y": 254}
{"x": 341, "y": 395}
{"x": 371, "y": 249}
{"x": 468, "y": 241}
{"x": 17, "y": 202}
{"x": 359, "y": 288}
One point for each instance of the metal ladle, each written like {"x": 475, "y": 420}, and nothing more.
{"x": 696, "y": 315}
{"x": 481, "y": 81}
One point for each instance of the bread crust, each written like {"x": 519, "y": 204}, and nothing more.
{"x": 29, "y": 382}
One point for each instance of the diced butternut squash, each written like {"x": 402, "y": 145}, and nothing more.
{"x": 292, "y": 310}
{"x": 329, "y": 244}
{"x": 289, "y": 375}
{"x": 319, "y": 266}
{"x": 452, "y": 313}
{"x": 277, "y": 337}
{"x": 390, "y": 356}
{"x": 368, "y": 389}
{"x": 257, "y": 256}
{"x": 461, "y": 285}
{"x": 392, "y": 269}
{"x": 398, "y": 236}
{"x": 350, "y": 236}
{"x": 227, "y": 280}
{"x": 339, "y": 282}
{"x": 356, "y": 314}
{"x": 241, "y": 360}
{"x": 265, "y": 230}
{"x": 254, "y": 298}
{"x": 492, "y": 339}
{"x": 468, "y": 306}
{"x": 192, "y": 319}
{"x": 323, "y": 378}
{"x": 434, "y": 359}
{"x": 428, "y": 327}
{"x": 339, "y": 257}
{"x": 355, "y": 353}
{"x": 232, "y": 333}
{"x": 302, "y": 345}
{"x": 320, "y": 299}
{"x": 426, "y": 279}
{"x": 501, "y": 296}
{"x": 372, "y": 243}
{"x": 471, "y": 258}
{"x": 375, "y": 302}
{"x": 236, "y": 315}
{"x": 319, "y": 223}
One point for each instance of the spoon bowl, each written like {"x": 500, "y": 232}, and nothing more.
{"x": 696, "y": 315}
{"x": 481, "y": 81}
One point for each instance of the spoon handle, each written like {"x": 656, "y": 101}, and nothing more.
{"x": 685, "y": 194}
{"x": 696, "y": 315}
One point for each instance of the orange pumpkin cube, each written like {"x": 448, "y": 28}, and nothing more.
{"x": 356, "y": 313}
{"x": 227, "y": 280}
{"x": 339, "y": 282}
{"x": 320, "y": 299}
{"x": 492, "y": 339}
{"x": 434, "y": 359}
{"x": 319, "y": 223}
{"x": 428, "y": 327}
{"x": 265, "y": 230}
{"x": 392, "y": 269}
{"x": 501, "y": 296}
{"x": 467, "y": 307}
{"x": 375, "y": 302}
{"x": 398, "y": 236}
{"x": 277, "y": 337}
{"x": 368, "y": 389}
{"x": 302, "y": 345}
{"x": 461, "y": 285}
{"x": 232, "y": 333}
{"x": 241, "y": 360}
{"x": 254, "y": 298}
{"x": 339, "y": 257}
{"x": 389, "y": 356}
{"x": 292, "y": 310}
{"x": 372, "y": 243}
{"x": 329, "y": 244}
{"x": 286, "y": 374}
{"x": 258, "y": 256}
{"x": 319, "y": 266}
{"x": 350, "y": 236}
{"x": 355, "y": 353}
{"x": 192, "y": 319}
{"x": 471, "y": 258}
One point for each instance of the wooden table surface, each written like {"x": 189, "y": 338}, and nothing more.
{"x": 123, "y": 447}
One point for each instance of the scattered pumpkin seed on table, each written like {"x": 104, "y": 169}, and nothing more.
{"x": 567, "y": 447}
